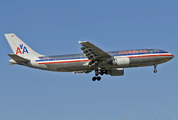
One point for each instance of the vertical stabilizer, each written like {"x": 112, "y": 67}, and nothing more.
{"x": 19, "y": 47}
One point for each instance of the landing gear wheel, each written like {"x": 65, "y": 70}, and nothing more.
{"x": 155, "y": 71}
{"x": 99, "y": 78}
{"x": 94, "y": 78}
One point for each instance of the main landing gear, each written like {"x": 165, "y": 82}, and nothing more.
{"x": 155, "y": 70}
{"x": 96, "y": 78}
{"x": 96, "y": 75}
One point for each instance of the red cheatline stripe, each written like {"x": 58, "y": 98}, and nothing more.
{"x": 63, "y": 62}
{"x": 150, "y": 55}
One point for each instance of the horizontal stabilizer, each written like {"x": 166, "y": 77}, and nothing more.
{"x": 18, "y": 59}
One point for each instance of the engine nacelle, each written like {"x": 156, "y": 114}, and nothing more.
{"x": 122, "y": 61}
{"x": 115, "y": 72}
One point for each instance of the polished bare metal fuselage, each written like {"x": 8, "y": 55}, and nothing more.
{"x": 78, "y": 62}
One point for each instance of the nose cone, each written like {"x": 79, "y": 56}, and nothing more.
{"x": 171, "y": 56}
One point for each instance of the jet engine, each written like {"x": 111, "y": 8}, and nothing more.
{"x": 115, "y": 72}
{"x": 122, "y": 61}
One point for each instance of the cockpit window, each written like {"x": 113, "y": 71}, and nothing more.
{"x": 165, "y": 52}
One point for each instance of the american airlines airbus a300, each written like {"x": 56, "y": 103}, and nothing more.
{"x": 93, "y": 59}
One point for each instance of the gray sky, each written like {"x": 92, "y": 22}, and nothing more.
{"x": 55, "y": 27}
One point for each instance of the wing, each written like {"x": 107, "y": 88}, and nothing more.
{"x": 94, "y": 53}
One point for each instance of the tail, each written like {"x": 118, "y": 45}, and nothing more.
{"x": 20, "y": 48}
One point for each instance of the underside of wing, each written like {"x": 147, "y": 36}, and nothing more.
{"x": 85, "y": 71}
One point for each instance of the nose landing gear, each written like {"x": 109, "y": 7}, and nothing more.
{"x": 155, "y": 70}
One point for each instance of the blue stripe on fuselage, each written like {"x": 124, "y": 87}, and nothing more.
{"x": 70, "y": 58}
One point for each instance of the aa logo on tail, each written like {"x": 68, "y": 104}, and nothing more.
{"x": 22, "y": 49}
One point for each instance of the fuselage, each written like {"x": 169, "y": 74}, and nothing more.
{"x": 79, "y": 62}
{"x": 93, "y": 59}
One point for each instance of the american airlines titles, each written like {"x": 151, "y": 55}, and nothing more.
{"x": 134, "y": 51}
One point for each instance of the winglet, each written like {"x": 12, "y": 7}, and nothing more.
{"x": 82, "y": 42}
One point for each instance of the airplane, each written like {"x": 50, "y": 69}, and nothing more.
{"x": 93, "y": 59}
